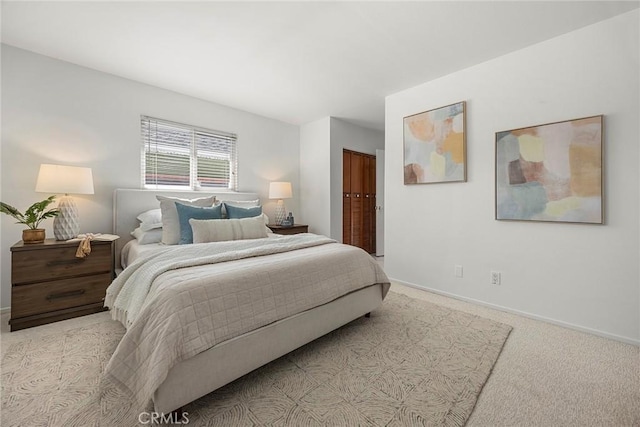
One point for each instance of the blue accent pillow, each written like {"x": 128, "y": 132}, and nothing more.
{"x": 185, "y": 213}
{"x": 235, "y": 212}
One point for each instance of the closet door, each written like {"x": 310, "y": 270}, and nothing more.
{"x": 346, "y": 197}
{"x": 359, "y": 200}
{"x": 366, "y": 205}
{"x": 372, "y": 205}
{"x": 357, "y": 171}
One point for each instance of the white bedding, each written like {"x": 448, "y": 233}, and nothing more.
{"x": 132, "y": 289}
{"x": 184, "y": 311}
{"x": 132, "y": 250}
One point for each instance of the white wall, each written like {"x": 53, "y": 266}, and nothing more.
{"x": 581, "y": 275}
{"x": 321, "y": 145}
{"x": 315, "y": 199}
{"x": 352, "y": 137}
{"x": 57, "y": 112}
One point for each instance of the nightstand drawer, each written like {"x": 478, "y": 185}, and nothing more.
{"x": 29, "y": 266}
{"x": 54, "y": 295}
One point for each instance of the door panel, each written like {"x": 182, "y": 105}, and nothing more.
{"x": 372, "y": 205}
{"x": 359, "y": 200}
{"x": 346, "y": 197}
{"x": 379, "y": 203}
{"x": 356, "y": 221}
{"x": 366, "y": 205}
{"x": 357, "y": 163}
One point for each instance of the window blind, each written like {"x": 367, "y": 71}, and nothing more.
{"x": 176, "y": 155}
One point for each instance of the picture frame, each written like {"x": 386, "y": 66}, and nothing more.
{"x": 551, "y": 172}
{"x": 435, "y": 148}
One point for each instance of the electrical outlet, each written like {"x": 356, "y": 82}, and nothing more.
{"x": 457, "y": 270}
{"x": 495, "y": 277}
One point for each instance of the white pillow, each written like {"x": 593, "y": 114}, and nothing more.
{"x": 242, "y": 203}
{"x": 170, "y": 222}
{"x": 221, "y": 230}
{"x": 147, "y": 237}
{"x": 150, "y": 219}
{"x": 239, "y": 204}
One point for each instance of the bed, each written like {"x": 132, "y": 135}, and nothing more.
{"x": 202, "y": 369}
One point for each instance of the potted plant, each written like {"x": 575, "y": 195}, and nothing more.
{"x": 32, "y": 217}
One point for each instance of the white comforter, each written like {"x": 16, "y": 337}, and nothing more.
{"x": 129, "y": 291}
{"x": 173, "y": 312}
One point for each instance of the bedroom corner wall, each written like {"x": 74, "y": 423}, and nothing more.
{"x": 321, "y": 145}
{"x": 58, "y": 112}
{"x": 352, "y": 137}
{"x": 584, "y": 276}
{"x": 315, "y": 197}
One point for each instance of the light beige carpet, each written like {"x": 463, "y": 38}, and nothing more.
{"x": 411, "y": 363}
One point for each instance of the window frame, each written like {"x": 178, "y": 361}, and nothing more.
{"x": 194, "y": 183}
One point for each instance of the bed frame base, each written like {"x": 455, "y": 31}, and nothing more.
{"x": 229, "y": 360}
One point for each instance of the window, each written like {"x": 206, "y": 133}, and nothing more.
{"x": 175, "y": 155}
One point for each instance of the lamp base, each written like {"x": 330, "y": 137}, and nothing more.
{"x": 66, "y": 225}
{"x": 280, "y": 212}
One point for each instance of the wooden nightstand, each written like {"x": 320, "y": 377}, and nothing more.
{"x": 294, "y": 229}
{"x": 48, "y": 282}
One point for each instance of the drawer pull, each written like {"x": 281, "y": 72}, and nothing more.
{"x": 65, "y": 294}
{"x": 65, "y": 262}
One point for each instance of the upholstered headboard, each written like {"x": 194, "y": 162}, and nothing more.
{"x": 129, "y": 203}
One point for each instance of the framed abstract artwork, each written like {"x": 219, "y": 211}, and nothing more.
{"x": 435, "y": 146}
{"x": 551, "y": 172}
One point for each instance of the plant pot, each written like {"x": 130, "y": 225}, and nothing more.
{"x": 35, "y": 235}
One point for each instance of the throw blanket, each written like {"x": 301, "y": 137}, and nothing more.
{"x": 174, "y": 312}
{"x": 128, "y": 292}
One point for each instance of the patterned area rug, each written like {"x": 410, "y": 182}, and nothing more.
{"x": 410, "y": 363}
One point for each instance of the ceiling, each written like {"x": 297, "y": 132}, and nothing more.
{"x": 292, "y": 61}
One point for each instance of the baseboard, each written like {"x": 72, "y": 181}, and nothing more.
{"x": 597, "y": 332}
{"x": 5, "y": 310}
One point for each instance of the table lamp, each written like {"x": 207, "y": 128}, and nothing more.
{"x": 280, "y": 190}
{"x": 68, "y": 180}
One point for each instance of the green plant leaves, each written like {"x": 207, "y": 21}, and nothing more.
{"x": 34, "y": 214}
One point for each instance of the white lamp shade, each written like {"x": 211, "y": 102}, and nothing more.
{"x": 280, "y": 190}
{"x": 64, "y": 179}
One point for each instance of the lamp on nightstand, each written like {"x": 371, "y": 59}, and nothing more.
{"x": 280, "y": 190}
{"x": 68, "y": 180}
